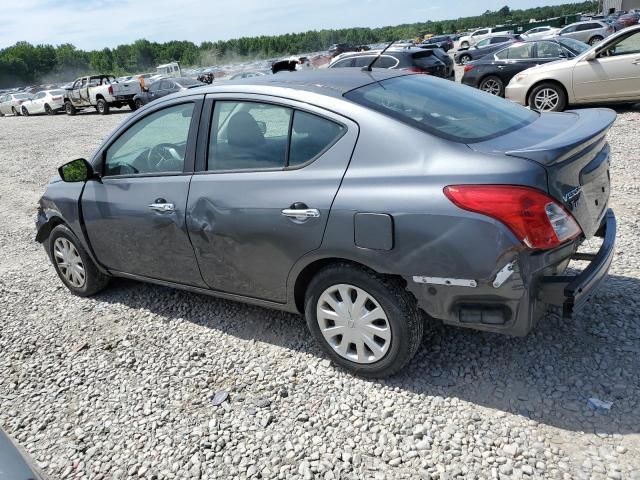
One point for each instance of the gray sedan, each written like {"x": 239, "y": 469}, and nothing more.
{"x": 366, "y": 201}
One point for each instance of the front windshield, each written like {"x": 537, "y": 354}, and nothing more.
{"x": 576, "y": 46}
{"x": 443, "y": 108}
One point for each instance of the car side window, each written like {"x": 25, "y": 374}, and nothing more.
{"x": 385, "y": 62}
{"x": 627, "y": 46}
{"x": 248, "y": 136}
{"x": 311, "y": 135}
{"x": 495, "y": 40}
{"x": 166, "y": 85}
{"x": 362, "y": 61}
{"x": 569, "y": 29}
{"x": 480, "y": 32}
{"x": 520, "y": 51}
{"x": 155, "y": 144}
{"x": 345, "y": 62}
{"x": 549, "y": 50}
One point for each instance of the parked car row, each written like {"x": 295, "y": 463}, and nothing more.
{"x": 552, "y": 74}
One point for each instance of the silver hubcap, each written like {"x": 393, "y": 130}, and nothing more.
{"x": 546, "y": 99}
{"x": 69, "y": 262}
{"x": 491, "y": 86}
{"x": 353, "y": 323}
{"x": 464, "y": 59}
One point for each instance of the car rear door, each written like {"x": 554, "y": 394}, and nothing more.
{"x": 613, "y": 75}
{"x": 135, "y": 215}
{"x": 269, "y": 170}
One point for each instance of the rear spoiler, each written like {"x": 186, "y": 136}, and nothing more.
{"x": 589, "y": 128}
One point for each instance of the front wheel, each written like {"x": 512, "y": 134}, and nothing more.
{"x": 25, "y": 112}
{"x": 595, "y": 39}
{"x": 72, "y": 263}
{"x": 48, "y": 110}
{"x": 548, "y": 97}
{"x": 14, "y": 111}
{"x": 464, "y": 59}
{"x": 69, "y": 108}
{"x": 139, "y": 103}
{"x": 493, "y": 85}
{"x": 102, "y": 106}
{"x": 368, "y": 324}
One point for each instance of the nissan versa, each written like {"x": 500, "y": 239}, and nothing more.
{"x": 361, "y": 199}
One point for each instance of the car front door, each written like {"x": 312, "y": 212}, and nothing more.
{"x": 135, "y": 213}
{"x": 37, "y": 103}
{"x": 75, "y": 91}
{"x": 270, "y": 170}
{"x": 613, "y": 75}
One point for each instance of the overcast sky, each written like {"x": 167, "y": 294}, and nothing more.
{"x": 95, "y": 24}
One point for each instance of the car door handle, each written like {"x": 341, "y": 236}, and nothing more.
{"x": 636, "y": 61}
{"x": 301, "y": 214}
{"x": 162, "y": 207}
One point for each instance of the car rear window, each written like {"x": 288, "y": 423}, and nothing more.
{"x": 443, "y": 108}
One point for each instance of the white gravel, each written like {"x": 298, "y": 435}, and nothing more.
{"x": 120, "y": 385}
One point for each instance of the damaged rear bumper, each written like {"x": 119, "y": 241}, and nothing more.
{"x": 572, "y": 291}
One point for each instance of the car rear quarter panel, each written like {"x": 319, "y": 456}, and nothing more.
{"x": 400, "y": 171}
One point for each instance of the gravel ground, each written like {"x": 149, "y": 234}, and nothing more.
{"x": 120, "y": 385}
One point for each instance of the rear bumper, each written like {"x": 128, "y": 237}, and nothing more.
{"x": 571, "y": 292}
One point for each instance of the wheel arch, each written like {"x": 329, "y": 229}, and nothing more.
{"x": 45, "y": 229}
{"x": 306, "y": 274}
{"x": 548, "y": 80}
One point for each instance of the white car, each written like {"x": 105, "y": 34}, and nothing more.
{"x": 539, "y": 33}
{"x": 10, "y": 103}
{"x": 609, "y": 72}
{"x": 475, "y": 36}
{"x": 46, "y": 101}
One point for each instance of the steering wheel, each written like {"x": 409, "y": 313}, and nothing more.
{"x": 164, "y": 157}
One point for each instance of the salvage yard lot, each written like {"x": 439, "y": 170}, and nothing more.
{"x": 120, "y": 385}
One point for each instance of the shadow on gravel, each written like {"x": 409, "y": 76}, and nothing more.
{"x": 547, "y": 376}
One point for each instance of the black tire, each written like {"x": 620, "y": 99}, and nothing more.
{"x": 559, "y": 106}
{"x": 139, "y": 103}
{"x": 94, "y": 280}
{"x": 464, "y": 58}
{"x": 48, "y": 110}
{"x": 595, "y": 39}
{"x": 69, "y": 108}
{"x": 493, "y": 85}
{"x": 102, "y": 106}
{"x": 14, "y": 111}
{"x": 25, "y": 112}
{"x": 132, "y": 106}
{"x": 404, "y": 318}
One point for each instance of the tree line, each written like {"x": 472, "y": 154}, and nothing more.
{"x": 25, "y": 64}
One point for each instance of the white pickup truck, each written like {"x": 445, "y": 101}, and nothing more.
{"x": 101, "y": 92}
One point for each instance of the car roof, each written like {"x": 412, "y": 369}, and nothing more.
{"x": 332, "y": 82}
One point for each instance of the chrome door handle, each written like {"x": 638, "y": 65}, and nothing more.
{"x": 162, "y": 207}
{"x": 636, "y": 61}
{"x": 301, "y": 214}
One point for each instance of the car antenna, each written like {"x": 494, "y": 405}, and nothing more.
{"x": 368, "y": 67}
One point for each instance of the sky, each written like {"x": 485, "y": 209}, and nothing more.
{"x": 95, "y": 24}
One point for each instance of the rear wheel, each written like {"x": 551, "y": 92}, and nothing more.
{"x": 465, "y": 58}
{"x": 69, "y": 108}
{"x": 25, "y": 112}
{"x": 14, "y": 111}
{"x": 74, "y": 267}
{"x": 139, "y": 103}
{"x": 493, "y": 85}
{"x": 102, "y": 106}
{"x": 548, "y": 97}
{"x": 368, "y": 324}
{"x": 48, "y": 110}
{"x": 595, "y": 39}
{"x": 132, "y": 105}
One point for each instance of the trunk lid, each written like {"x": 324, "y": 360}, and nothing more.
{"x": 573, "y": 149}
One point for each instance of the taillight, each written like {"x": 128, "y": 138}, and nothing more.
{"x": 468, "y": 68}
{"x": 417, "y": 70}
{"x": 56, "y": 98}
{"x": 535, "y": 219}
{"x": 110, "y": 90}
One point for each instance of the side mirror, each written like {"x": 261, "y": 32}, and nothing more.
{"x": 591, "y": 56}
{"x": 78, "y": 170}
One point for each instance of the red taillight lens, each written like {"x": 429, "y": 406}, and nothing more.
{"x": 56, "y": 98}
{"x": 110, "y": 89}
{"x": 535, "y": 219}
{"x": 468, "y": 68}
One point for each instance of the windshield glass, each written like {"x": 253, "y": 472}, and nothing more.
{"x": 443, "y": 108}
{"x": 188, "y": 82}
{"x": 576, "y": 46}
